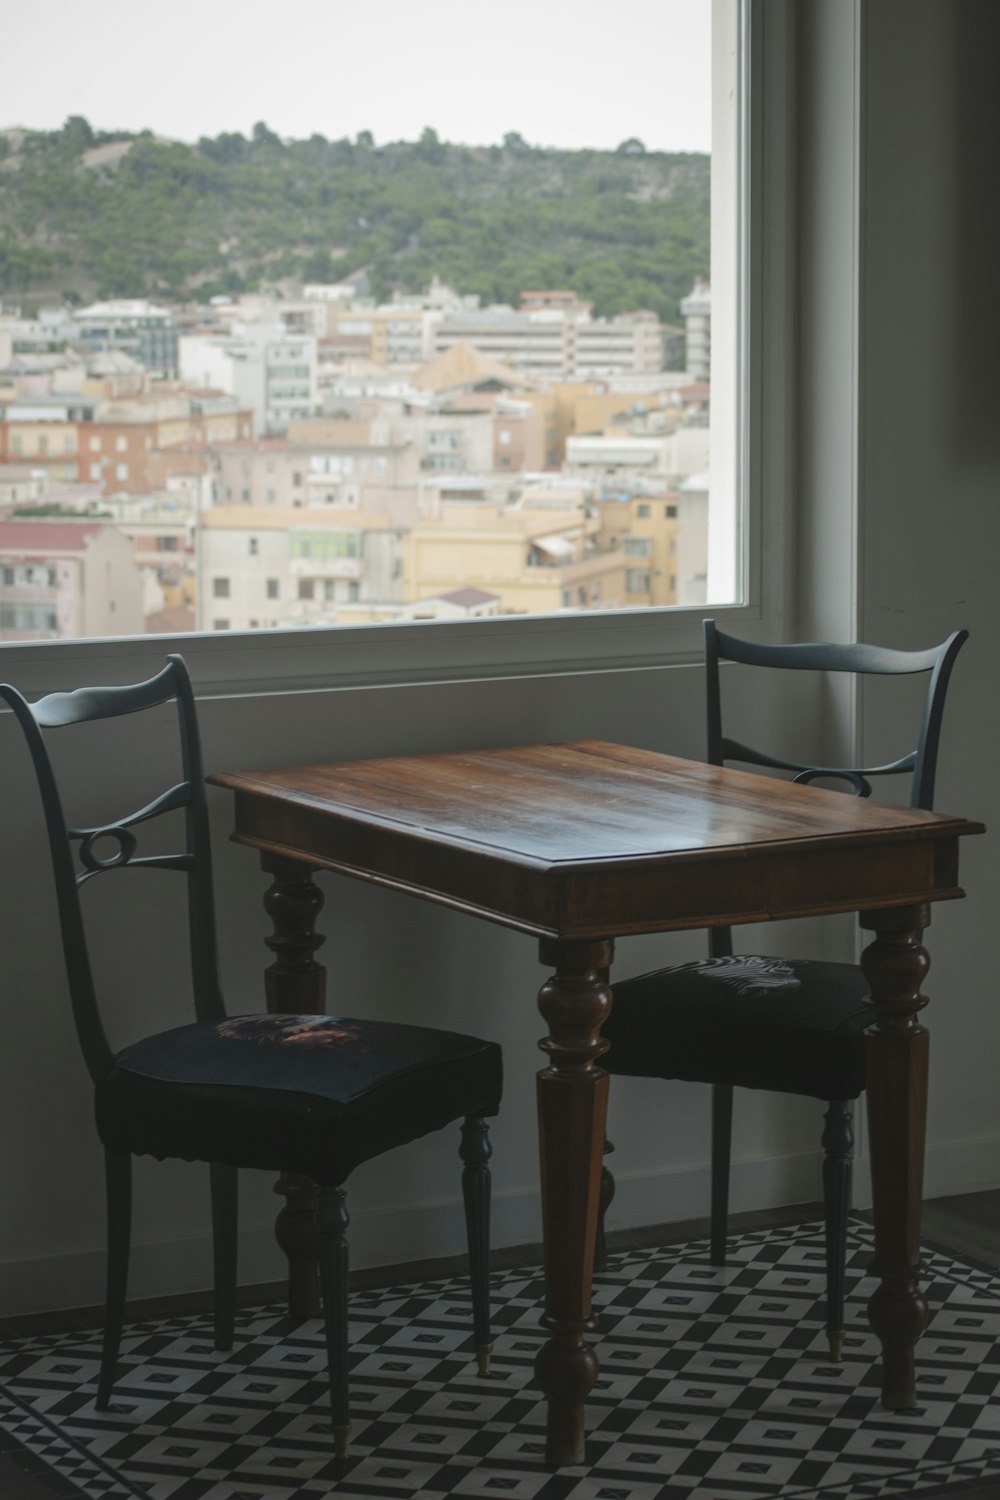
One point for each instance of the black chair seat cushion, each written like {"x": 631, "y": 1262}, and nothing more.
{"x": 310, "y": 1094}
{"x": 794, "y": 1026}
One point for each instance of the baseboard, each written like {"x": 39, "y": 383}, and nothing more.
{"x": 76, "y": 1278}
{"x": 391, "y": 1235}
{"x": 950, "y": 1167}
{"x": 670, "y": 1194}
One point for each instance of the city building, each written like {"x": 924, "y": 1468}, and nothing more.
{"x": 259, "y": 567}
{"x": 696, "y": 309}
{"x": 136, "y": 443}
{"x": 534, "y": 558}
{"x": 269, "y": 371}
{"x": 455, "y": 604}
{"x": 610, "y": 457}
{"x": 645, "y": 527}
{"x": 555, "y": 337}
{"x": 61, "y": 579}
{"x": 45, "y": 431}
{"x": 139, "y": 328}
{"x": 28, "y": 339}
{"x": 324, "y": 461}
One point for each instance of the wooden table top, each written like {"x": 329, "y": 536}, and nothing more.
{"x": 588, "y": 839}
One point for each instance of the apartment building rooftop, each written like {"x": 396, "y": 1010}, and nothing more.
{"x": 123, "y": 308}
{"x": 465, "y": 365}
{"x": 43, "y": 537}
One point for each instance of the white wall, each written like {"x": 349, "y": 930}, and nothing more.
{"x": 392, "y": 955}
{"x": 929, "y": 481}
{"x": 899, "y": 464}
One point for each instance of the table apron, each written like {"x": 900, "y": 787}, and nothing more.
{"x": 616, "y": 897}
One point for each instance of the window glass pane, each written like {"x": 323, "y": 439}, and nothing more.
{"x": 384, "y": 364}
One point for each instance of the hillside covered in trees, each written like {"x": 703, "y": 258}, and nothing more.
{"x": 89, "y": 215}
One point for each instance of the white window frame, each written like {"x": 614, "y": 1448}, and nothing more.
{"x": 756, "y": 36}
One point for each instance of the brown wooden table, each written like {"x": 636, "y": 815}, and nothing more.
{"x": 578, "y": 844}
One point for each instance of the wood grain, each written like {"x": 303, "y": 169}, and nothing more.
{"x": 584, "y": 842}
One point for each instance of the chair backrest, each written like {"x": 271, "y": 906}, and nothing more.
{"x": 81, "y": 853}
{"x": 919, "y": 763}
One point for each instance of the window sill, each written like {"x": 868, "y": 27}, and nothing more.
{"x": 320, "y": 659}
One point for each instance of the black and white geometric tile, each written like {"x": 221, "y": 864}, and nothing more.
{"x": 715, "y": 1385}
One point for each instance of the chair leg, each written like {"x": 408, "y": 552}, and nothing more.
{"x": 722, "y": 1134}
{"x": 475, "y": 1152}
{"x": 118, "y": 1179}
{"x": 838, "y": 1167}
{"x": 224, "y": 1202}
{"x": 331, "y": 1225}
{"x": 603, "y": 1204}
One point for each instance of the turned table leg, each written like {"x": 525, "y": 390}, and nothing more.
{"x": 572, "y": 1108}
{"x": 295, "y": 984}
{"x": 896, "y": 1051}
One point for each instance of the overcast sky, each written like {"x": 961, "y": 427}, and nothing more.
{"x": 586, "y": 74}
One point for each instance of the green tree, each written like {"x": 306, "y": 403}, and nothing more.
{"x": 77, "y": 134}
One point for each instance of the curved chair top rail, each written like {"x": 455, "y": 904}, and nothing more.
{"x": 88, "y": 703}
{"x": 111, "y": 845}
{"x": 825, "y": 656}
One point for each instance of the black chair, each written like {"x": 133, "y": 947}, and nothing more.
{"x": 791, "y": 1026}
{"x": 313, "y": 1095}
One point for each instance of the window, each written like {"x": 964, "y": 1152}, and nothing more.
{"x": 252, "y": 546}
{"x": 326, "y": 546}
{"x": 28, "y": 617}
{"x": 602, "y": 482}
{"x": 306, "y": 588}
{"x": 272, "y": 588}
{"x": 220, "y": 589}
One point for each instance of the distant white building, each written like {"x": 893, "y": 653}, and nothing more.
{"x": 671, "y": 457}
{"x": 692, "y": 540}
{"x": 272, "y": 372}
{"x": 139, "y": 328}
{"x": 23, "y": 341}
{"x": 601, "y": 455}
{"x": 696, "y": 309}
{"x": 556, "y": 337}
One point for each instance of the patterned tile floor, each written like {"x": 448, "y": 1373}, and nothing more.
{"x": 715, "y": 1385}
